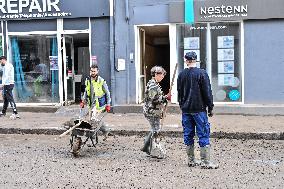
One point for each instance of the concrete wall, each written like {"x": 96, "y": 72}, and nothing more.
{"x": 264, "y": 62}
{"x": 101, "y": 46}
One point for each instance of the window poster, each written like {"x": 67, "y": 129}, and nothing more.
{"x": 226, "y": 67}
{"x": 53, "y": 62}
{"x": 196, "y": 51}
{"x": 225, "y": 79}
{"x": 225, "y": 54}
{"x": 191, "y": 43}
{"x": 225, "y": 42}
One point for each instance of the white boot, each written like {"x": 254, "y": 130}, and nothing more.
{"x": 15, "y": 116}
{"x": 157, "y": 148}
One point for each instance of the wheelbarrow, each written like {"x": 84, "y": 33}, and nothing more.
{"x": 83, "y": 131}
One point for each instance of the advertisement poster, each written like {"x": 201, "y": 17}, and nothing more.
{"x": 225, "y": 54}
{"x": 53, "y": 62}
{"x": 226, "y": 67}
{"x": 191, "y": 43}
{"x": 196, "y": 51}
{"x": 225, "y": 79}
{"x": 234, "y": 95}
{"x": 225, "y": 42}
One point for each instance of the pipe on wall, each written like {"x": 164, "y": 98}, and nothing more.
{"x": 126, "y": 10}
{"x": 112, "y": 51}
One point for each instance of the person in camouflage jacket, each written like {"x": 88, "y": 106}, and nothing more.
{"x": 154, "y": 103}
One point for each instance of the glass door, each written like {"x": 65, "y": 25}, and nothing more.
{"x": 68, "y": 69}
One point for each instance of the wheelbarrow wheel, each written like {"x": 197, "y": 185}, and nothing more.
{"x": 77, "y": 146}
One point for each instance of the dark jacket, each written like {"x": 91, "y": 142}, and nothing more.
{"x": 194, "y": 91}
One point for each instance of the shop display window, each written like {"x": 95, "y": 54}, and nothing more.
{"x": 226, "y": 65}
{"x": 35, "y": 63}
{"x": 222, "y": 60}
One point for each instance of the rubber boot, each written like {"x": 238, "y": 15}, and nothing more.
{"x": 147, "y": 144}
{"x": 205, "y": 158}
{"x": 192, "y": 162}
{"x": 157, "y": 148}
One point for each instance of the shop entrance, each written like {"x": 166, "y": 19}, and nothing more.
{"x": 76, "y": 63}
{"x": 154, "y": 49}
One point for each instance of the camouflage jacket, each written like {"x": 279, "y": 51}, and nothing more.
{"x": 154, "y": 100}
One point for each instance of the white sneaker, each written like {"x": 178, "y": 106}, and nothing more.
{"x": 15, "y": 116}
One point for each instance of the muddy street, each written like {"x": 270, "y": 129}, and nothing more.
{"x": 39, "y": 161}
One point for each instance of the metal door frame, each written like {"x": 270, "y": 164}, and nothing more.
{"x": 64, "y": 52}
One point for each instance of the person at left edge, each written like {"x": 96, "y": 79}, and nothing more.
{"x": 8, "y": 85}
{"x": 96, "y": 95}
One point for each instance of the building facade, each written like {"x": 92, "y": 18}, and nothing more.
{"x": 239, "y": 43}
{"x": 52, "y": 43}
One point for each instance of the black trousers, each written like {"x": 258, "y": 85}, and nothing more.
{"x": 8, "y": 98}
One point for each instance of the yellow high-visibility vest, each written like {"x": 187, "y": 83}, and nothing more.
{"x": 98, "y": 90}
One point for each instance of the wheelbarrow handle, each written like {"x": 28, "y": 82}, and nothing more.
{"x": 69, "y": 130}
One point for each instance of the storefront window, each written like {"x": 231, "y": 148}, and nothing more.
{"x": 193, "y": 39}
{"x": 226, "y": 66}
{"x": 217, "y": 46}
{"x": 36, "y": 68}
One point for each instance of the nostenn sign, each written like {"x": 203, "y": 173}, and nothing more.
{"x": 221, "y": 10}
{"x": 224, "y": 9}
{"x": 31, "y": 6}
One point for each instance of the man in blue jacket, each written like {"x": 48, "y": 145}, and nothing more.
{"x": 195, "y": 100}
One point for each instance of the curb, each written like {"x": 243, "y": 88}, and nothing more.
{"x": 178, "y": 134}
{"x": 31, "y": 131}
{"x": 246, "y": 110}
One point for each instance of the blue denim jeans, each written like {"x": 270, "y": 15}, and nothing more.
{"x": 199, "y": 122}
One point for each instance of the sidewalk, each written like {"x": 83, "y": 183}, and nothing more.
{"x": 222, "y": 126}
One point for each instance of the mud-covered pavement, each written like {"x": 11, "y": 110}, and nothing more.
{"x": 32, "y": 161}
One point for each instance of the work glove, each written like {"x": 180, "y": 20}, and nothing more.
{"x": 169, "y": 97}
{"x": 210, "y": 113}
{"x": 82, "y": 104}
{"x": 108, "y": 108}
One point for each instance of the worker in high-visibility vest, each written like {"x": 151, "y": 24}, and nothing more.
{"x": 96, "y": 95}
